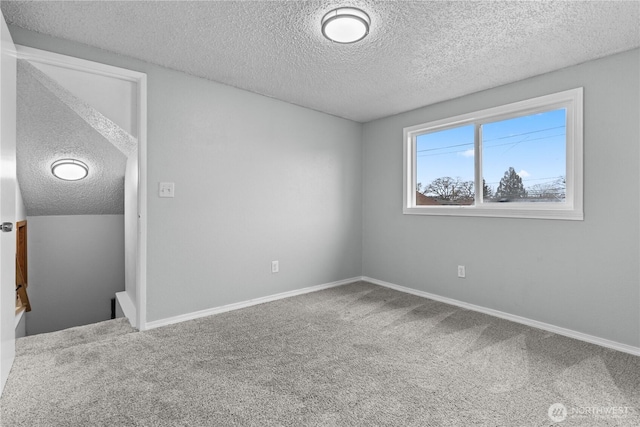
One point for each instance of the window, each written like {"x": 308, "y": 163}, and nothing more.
{"x": 518, "y": 160}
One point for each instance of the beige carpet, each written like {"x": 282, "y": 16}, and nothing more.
{"x": 355, "y": 355}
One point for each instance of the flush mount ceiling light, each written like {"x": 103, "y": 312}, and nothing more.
{"x": 345, "y": 25}
{"x": 69, "y": 169}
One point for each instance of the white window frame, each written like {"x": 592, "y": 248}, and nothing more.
{"x": 570, "y": 209}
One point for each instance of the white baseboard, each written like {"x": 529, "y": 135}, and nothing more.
{"x": 496, "y": 313}
{"x": 244, "y": 304}
{"x": 512, "y": 317}
{"x": 20, "y": 324}
{"x": 127, "y": 306}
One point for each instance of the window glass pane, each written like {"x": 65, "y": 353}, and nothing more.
{"x": 524, "y": 158}
{"x": 445, "y": 167}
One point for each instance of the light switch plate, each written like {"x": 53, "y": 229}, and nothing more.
{"x": 166, "y": 189}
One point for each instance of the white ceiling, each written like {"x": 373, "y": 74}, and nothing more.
{"x": 417, "y": 53}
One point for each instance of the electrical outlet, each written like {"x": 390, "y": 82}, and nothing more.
{"x": 275, "y": 266}
{"x": 166, "y": 189}
{"x": 461, "y": 271}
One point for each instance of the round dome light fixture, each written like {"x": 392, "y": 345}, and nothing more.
{"x": 69, "y": 169}
{"x": 345, "y": 25}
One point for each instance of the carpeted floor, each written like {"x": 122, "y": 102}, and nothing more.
{"x": 355, "y": 355}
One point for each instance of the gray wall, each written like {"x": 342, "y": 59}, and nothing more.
{"x": 581, "y": 275}
{"x": 76, "y": 265}
{"x": 256, "y": 180}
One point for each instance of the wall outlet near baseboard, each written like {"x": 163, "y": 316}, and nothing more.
{"x": 275, "y": 266}
{"x": 461, "y": 271}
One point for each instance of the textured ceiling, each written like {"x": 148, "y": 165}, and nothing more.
{"x": 52, "y": 124}
{"x": 104, "y": 126}
{"x": 417, "y": 53}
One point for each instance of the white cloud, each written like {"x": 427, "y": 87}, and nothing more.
{"x": 524, "y": 174}
{"x": 468, "y": 153}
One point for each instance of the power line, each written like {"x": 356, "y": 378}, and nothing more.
{"x": 527, "y": 140}
{"x": 524, "y": 133}
{"x": 442, "y": 148}
{"x": 489, "y": 140}
{"x": 549, "y": 179}
{"x": 492, "y": 146}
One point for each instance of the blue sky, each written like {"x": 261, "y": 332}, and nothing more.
{"x": 533, "y": 145}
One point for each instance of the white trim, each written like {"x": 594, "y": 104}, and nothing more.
{"x": 127, "y": 306}
{"x": 496, "y": 313}
{"x": 78, "y": 64}
{"x": 140, "y": 79}
{"x": 512, "y": 317}
{"x": 141, "y": 260}
{"x": 18, "y": 318}
{"x": 571, "y": 209}
{"x": 245, "y": 304}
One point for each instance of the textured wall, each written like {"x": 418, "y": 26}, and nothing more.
{"x": 581, "y": 275}
{"x": 76, "y": 265}
{"x": 256, "y": 180}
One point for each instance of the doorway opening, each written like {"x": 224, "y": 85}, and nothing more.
{"x": 100, "y": 118}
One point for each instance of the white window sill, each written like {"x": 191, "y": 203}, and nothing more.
{"x": 497, "y": 212}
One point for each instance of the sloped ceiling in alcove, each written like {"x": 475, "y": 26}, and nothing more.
{"x": 53, "y": 124}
